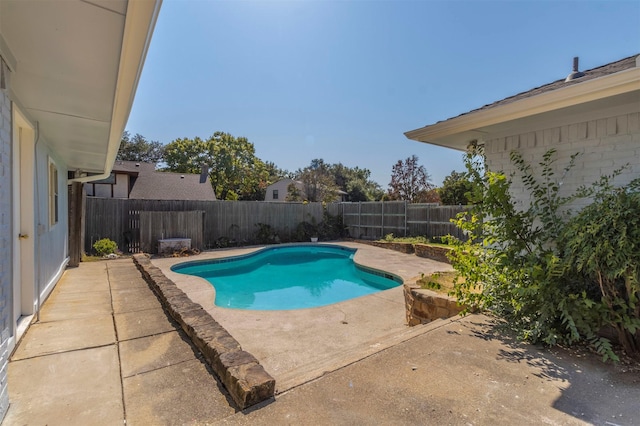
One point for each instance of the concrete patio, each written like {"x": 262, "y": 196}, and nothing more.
{"x": 104, "y": 352}
{"x": 300, "y": 345}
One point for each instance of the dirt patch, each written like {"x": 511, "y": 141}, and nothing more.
{"x": 440, "y": 282}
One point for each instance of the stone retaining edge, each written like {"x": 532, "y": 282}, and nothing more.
{"x": 423, "y": 306}
{"x": 240, "y": 372}
{"x": 421, "y": 250}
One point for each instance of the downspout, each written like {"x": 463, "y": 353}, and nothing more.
{"x": 37, "y": 236}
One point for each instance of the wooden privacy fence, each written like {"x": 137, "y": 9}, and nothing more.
{"x": 374, "y": 220}
{"x": 234, "y": 222}
{"x": 136, "y": 225}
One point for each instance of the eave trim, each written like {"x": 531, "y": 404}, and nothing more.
{"x": 140, "y": 21}
{"x": 591, "y": 90}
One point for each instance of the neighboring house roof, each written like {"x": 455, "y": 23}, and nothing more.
{"x": 288, "y": 182}
{"x": 614, "y": 84}
{"x": 171, "y": 186}
{"x": 132, "y": 167}
{"x": 77, "y": 66}
{"x": 282, "y": 181}
{"x": 149, "y": 184}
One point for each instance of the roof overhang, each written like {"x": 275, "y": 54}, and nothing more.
{"x": 75, "y": 69}
{"x": 581, "y": 100}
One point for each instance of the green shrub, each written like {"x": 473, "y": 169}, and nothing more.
{"x": 556, "y": 278}
{"x": 330, "y": 228}
{"x": 601, "y": 246}
{"x": 105, "y": 246}
{"x": 265, "y": 234}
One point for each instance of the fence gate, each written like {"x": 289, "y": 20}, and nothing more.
{"x": 156, "y": 226}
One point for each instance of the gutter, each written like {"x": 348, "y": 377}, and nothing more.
{"x": 591, "y": 90}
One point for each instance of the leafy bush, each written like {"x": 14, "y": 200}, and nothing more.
{"x": 555, "y": 278}
{"x": 601, "y": 245}
{"x": 330, "y": 228}
{"x": 105, "y": 246}
{"x": 266, "y": 234}
{"x": 305, "y": 230}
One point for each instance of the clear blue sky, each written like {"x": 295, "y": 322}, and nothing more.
{"x": 343, "y": 80}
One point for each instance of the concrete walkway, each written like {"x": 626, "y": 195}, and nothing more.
{"x": 104, "y": 353}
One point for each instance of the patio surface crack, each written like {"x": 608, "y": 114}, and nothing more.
{"x": 115, "y": 329}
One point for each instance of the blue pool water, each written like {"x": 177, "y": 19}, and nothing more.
{"x": 289, "y": 277}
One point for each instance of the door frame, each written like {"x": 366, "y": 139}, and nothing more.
{"x": 23, "y": 227}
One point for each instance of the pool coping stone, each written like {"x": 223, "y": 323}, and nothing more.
{"x": 243, "y": 376}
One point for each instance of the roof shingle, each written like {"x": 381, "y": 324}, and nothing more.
{"x": 601, "y": 71}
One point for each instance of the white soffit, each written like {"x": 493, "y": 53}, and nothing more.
{"x": 69, "y": 71}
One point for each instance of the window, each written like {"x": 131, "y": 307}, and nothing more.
{"x": 53, "y": 193}
{"x": 275, "y": 194}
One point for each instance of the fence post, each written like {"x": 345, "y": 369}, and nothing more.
{"x": 429, "y": 231}
{"x": 359, "y": 218}
{"x": 382, "y": 219}
{"x": 405, "y": 218}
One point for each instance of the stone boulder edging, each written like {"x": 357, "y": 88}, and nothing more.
{"x": 406, "y": 248}
{"x": 432, "y": 252}
{"x": 421, "y": 250}
{"x": 423, "y": 306}
{"x": 240, "y": 372}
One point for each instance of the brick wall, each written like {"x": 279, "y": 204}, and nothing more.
{"x": 5, "y": 239}
{"x": 604, "y": 145}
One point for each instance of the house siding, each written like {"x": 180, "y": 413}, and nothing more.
{"x": 118, "y": 189}
{"x": 282, "y": 186}
{"x": 604, "y": 145}
{"x": 5, "y": 243}
{"x": 51, "y": 251}
{"x": 52, "y": 243}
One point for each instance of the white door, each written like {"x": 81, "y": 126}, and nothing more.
{"x": 23, "y": 220}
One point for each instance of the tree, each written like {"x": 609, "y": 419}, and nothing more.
{"x": 234, "y": 170}
{"x": 428, "y": 196}
{"x": 356, "y": 183}
{"x": 455, "y": 189}
{"x": 325, "y": 181}
{"x": 186, "y": 155}
{"x": 409, "y": 180}
{"x": 294, "y": 193}
{"x": 137, "y": 148}
{"x": 318, "y": 184}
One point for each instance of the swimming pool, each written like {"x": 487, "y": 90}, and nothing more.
{"x": 289, "y": 277}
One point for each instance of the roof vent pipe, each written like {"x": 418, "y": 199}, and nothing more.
{"x": 575, "y": 74}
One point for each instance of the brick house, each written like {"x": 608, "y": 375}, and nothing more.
{"x": 68, "y": 75}
{"x": 595, "y": 113}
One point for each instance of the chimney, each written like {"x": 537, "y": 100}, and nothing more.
{"x": 204, "y": 173}
{"x": 575, "y": 73}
